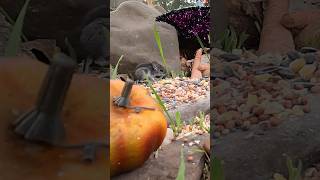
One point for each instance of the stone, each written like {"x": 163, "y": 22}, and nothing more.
{"x": 298, "y": 110}
{"x": 293, "y": 55}
{"x": 169, "y": 137}
{"x": 269, "y": 58}
{"x": 308, "y": 50}
{"x": 237, "y": 52}
{"x": 297, "y": 64}
{"x": 272, "y": 107}
{"x": 131, "y": 35}
{"x": 310, "y": 58}
{"x": 307, "y": 71}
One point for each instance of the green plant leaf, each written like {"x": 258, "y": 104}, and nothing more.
{"x": 160, "y": 102}
{"x": 182, "y": 167}
{"x": 70, "y": 49}
{"x": 234, "y": 39}
{"x": 114, "y": 70}
{"x": 158, "y": 40}
{"x": 216, "y": 171}
{"x": 15, "y": 36}
{"x": 242, "y": 39}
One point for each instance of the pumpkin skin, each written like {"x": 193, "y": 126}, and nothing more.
{"x": 134, "y": 136}
{"x": 84, "y": 115}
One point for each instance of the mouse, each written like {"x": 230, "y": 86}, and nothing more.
{"x": 153, "y": 71}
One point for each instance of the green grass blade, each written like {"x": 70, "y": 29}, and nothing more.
{"x": 11, "y": 21}
{"x": 159, "y": 44}
{"x": 234, "y": 38}
{"x": 160, "y": 102}
{"x": 115, "y": 69}
{"x": 242, "y": 39}
{"x": 71, "y": 50}
{"x": 202, "y": 45}
{"x": 182, "y": 168}
{"x": 15, "y": 36}
{"x": 290, "y": 168}
{"x": 216, "y": 171}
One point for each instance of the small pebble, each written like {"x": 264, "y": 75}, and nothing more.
{"x": 308, "y": 50}
{"x": 310, "y": 58}
{"x": 293, "y": 55}
{"x": 246, "y": 125}
{"x": 190, "y": 158}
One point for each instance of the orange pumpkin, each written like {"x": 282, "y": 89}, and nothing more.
{"x": 134, "y": 136}
{"x": 84, "y": 115}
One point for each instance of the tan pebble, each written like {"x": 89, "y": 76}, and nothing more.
{"x": 219, "y": 128}
{"x": 264, "y": 117}
{"x": 265, "y": 125}
{"x": 246, "y": 125}
{"x": 225, "y": 131}
{"x": 287, "y": 104}
{"x": 297, "y": 64}
{"x": 253, "y": 120}
{"x": 298, "y": 87}
{"x": 306, "y": 109}
{"x": 303, "y": 100}
{"x": 190, "y": 158}
{"x": 298, "y": 110}
{"x": 230, "y": 124}
{"x": 258, "y": 110}
{"x": 275, "y": 121}
{"x": 307, "y": 71}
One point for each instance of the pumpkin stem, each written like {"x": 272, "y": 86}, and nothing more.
{"x": 44, "y": 123}
{"x": 123, "y": 100}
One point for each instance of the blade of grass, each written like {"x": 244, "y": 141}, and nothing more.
{"x": 160, "y": 102}
{"x": 70, "y": 49}
{"x": 11, "y": 21}
{"x": 216, "y": 169}
{"x": 115, "y": 69}
{"x": 15, "y": 36}
{"x": 159, "y": 44}
{"x": 202, "y": 46}
{"x": 242, "y": 38}
{"x": 234, "y": 38}
{"x": 182, "y": 167}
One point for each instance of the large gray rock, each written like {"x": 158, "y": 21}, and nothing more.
{"x": 115, "y": 3}
{"x": 131, "y": 35}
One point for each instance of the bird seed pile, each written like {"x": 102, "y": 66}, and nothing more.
{"x": 178, "y": 91}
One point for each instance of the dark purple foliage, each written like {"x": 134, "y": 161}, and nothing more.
{"x": 189, "y": 22}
